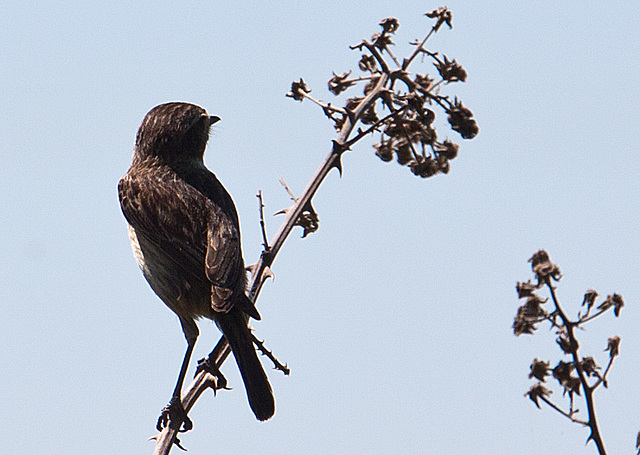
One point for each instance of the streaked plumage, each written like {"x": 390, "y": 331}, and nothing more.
{"x": 185, "y": 235}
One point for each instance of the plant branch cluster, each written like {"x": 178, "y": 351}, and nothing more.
{"x": 398, "y": 105}
{"x": 578, "y": 375}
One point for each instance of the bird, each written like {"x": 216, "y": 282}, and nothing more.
{"x": 185, "y": 235}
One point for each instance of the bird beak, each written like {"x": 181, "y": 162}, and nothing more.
{"x": 213, "y": 119}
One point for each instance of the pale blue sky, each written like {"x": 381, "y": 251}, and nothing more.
{"x": 395, "y": 317}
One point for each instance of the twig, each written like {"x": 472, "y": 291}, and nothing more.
{"x": 594, "y": 315}
{"x": 276, "y": 363}
{"x": 324, "y": 106}
{"x": 568, "y": 415}
{"x": 603, "y": 379}
{"x": 265, "y": 242}
{"x": 286, "y": 188}
{"x": 372, "y": 128}
{"x": 420, "y": 47}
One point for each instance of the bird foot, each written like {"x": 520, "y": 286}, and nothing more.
{"x": 175, "y": 416}
{"x": 208, "y": 365}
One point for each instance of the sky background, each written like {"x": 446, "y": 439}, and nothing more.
{"x": 395, "y": 317}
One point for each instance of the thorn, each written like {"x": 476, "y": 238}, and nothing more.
{"x": 177, "y": 443}
{"x": 338, "y": 150}
{"x": 338, "y": 164}
{"x": 282, "y": 212}
{"x": 268, "y": 273}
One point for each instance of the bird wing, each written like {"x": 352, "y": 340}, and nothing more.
{"x": 188, "y": 228}
{"x": 225, "y": 268}
{"x": 223, "y": 261}
{"x": 169, "y": 215}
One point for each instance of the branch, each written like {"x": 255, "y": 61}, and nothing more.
{"x": 410, "y": 113}
{"x": 564, "y": 413}
{"x": 588, "y": 390}
{"x": 594, "y": 315}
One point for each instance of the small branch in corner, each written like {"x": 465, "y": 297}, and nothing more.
{"x": 276, "y": 363}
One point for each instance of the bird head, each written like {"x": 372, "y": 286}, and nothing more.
{"x": 174, "y": 132}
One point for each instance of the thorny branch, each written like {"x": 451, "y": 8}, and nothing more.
{"x": 406, "y": 132}
{"x": 276, "y": 363}
{"x": 532, "y": 313}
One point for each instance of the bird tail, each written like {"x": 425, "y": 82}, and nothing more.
{"x": 235, "y": 329}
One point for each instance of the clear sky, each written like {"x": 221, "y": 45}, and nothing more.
{"x": 395, "y": 317}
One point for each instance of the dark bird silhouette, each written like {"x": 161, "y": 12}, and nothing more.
{"x": 185, "y": 236}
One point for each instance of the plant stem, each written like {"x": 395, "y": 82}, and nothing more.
{"x": 588, "y": 390}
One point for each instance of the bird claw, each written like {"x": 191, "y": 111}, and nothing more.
{"x": 179, "y": 445}
{"x": 207, "y": 365}
{"x": 175, "y": 416}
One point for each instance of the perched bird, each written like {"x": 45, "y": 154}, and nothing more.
{"x": 185, "y": 236}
